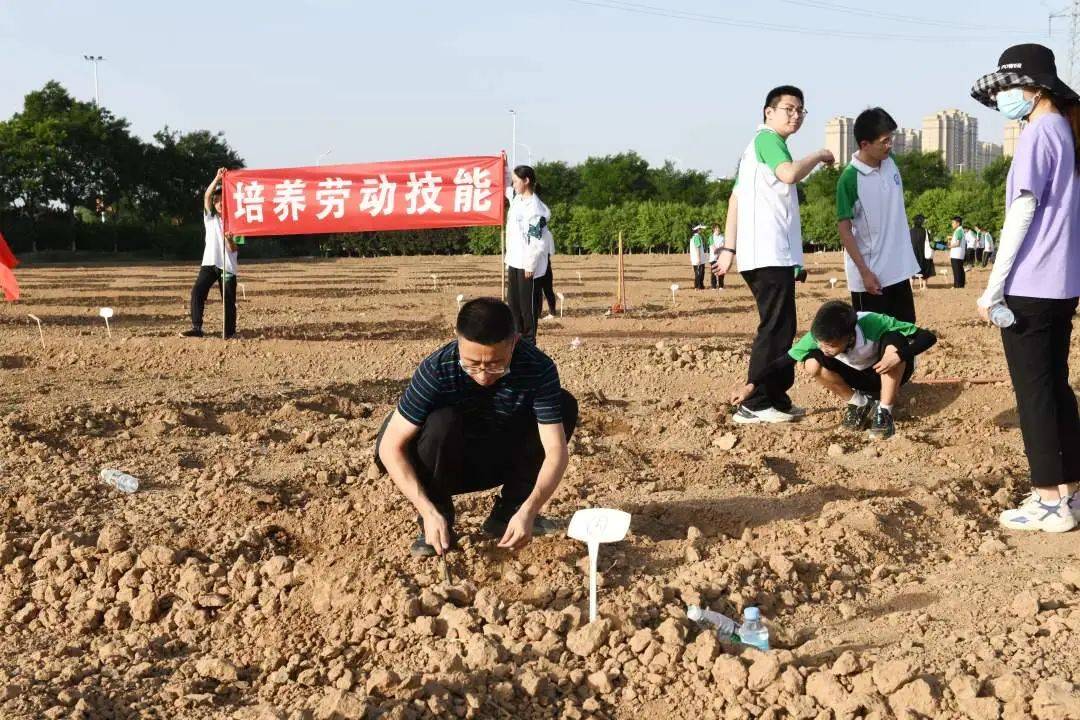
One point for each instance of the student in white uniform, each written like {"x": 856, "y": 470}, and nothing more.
{"x": 218, "y": 264}
{"x": 527, "y": 243}
{"x": 971, "y": 238}
{"x": 546, "y": 285}
{"x": 988, "y": 247}
{"x": 699, "y": 257}
{"x": 717, "y": 242}
{"x": 957, "y": 252}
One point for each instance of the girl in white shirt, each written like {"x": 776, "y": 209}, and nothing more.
{"x": 218, "y": 264}
{"x": 527, "y": 243}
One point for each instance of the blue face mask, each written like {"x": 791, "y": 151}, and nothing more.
{"x": 1011, "y": 104}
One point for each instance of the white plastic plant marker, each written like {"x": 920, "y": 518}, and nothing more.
{"x": 41, "y": 334}
{"x": 593, "y": 526}
{"x": 106, "y": 313}
{"x": 434, "y": 281}
{"x": 243, "y": 290}
{"x": 832, "y": 283}
{"x": 562, "y": 303}
{"x": 674, "y": 289}
{"x": 460, "y": 300}
{"x": 579, "y": 277}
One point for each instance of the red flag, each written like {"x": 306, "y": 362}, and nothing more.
{"x": 6, "y": 258}
{"x": 8, "y": 283}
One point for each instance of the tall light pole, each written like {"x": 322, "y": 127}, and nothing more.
{"x": 528, "y": 150}
{"x": 94, "y": 60}
{"x": 513, "y": 139}
{"x": 318, "y": 160}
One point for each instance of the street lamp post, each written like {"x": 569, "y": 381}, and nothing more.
{"x": 94, "y": 60}
{"x": 528, "y": 150}
{"x": 513, "y": 138}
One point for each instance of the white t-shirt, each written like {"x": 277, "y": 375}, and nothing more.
{"x": 972, "y": 240}
{"x": 715, "y": 244}
{"x": 872, "y": 198}
{"x": 988, "y": 242}
{"x": 769, "y": 227}
{"x": 522, "y": 251}
{"x": 698, "y": 250}
{"x": 960, "y": 250}
{"x": 215, "y": 241}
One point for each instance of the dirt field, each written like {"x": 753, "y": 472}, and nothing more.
{"x": 262, "y": 570}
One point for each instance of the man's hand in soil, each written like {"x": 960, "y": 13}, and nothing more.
{"x": 518, "y": 530}
{"x": 436, "y": 532}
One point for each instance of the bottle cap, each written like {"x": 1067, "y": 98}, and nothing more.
{"x": 751, "y": 613}
{"x": 694, "y": 613}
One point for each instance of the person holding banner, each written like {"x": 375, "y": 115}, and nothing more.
{"x": 218, "y": 264}
{"x": 527, "y": 243}
{"x": 483, "y": 411}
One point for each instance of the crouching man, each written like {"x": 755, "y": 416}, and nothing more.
{"x": 483, "y": 411}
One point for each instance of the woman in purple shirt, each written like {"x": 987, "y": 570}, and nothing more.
{"x": 1032, "y": 292}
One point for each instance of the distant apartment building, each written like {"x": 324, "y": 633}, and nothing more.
{"x": 840, "y": 139}
{"x": 955, "y": 136}
{"x": 906, "y": 140}
{"x": 1012, "y": 136}
{"x": 987, "y": 153}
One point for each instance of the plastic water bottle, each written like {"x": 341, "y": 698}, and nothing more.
{"x": 752, "y": 631}
{"x": 1002, "y": 316}
{"x": 120, "y": 480}
{"x": 575, "y": 343}
{"x": 725, "y": 626}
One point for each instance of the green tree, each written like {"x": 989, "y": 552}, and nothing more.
{"x": 674, "y": 185}
{"x": 921, "y": 172}
{"x": 184, "y": 164}
{"x": 557, "y": 182}
{"x": 614, "y": 179}
{"x": 996, "y": 172}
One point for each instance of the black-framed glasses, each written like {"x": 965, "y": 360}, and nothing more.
{"x": 484, "y": 370}
{"x": 789, "y": 110}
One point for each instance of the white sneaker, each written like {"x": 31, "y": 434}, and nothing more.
{"x": 743, "y": 416}
{"x": 1034, "y": 514}
{"x": 549, "y": 316}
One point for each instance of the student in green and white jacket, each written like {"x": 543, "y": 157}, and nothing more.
{"x": 862, "y": 357}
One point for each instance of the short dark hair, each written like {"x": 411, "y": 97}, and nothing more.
{"x": 835, "y": 320}
{"x": 871, "y": 124}
{"x": 485, "y": 320}
{"x": 526, "y": 172}
{"x": 958, "y": 219}
{"x": 773, "y": 98}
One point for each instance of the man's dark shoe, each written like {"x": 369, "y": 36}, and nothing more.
{"x": 883, "y": 426}
{"x": 193, "y": 332}
{"x": 856, "y": 417}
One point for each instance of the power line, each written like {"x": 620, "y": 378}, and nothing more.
{"x": 651, "y": 10}
{"x": 896, "y": 17}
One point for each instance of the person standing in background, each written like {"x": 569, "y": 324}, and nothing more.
{"x": 958, "y": 252}
{"x": 699, "y": 257}
{"x": 218, "y": 264}
{"x": 717, "y": 242}
{"x": 923, "y": 247}
{"x": 526, "y": 250}
{"x": 988, "y": 247}
{"x": 546, "y": 282}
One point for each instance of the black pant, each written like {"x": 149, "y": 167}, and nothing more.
{"x": 448, "y": 461}
{"x": 524, "y": 296}
{"x": 867, "y": 380}
{"x": 699, "y": 277}
{"x": 208, "y": 275}
{"x": 895, "y": 300}
{"x": 978, "y": 256}
{"x": 546, "y": 287}
{"x": 987, "y": 257}
{"x": 958, "y": 275}
{"x": 774, "y": 292}
{"x": 1037, "y": 352}
{"x": 715, "y": 281}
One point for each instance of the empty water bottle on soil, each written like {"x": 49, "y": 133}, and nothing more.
{"x": 1002, "y": 316}
{"x": 753, "y": 631}
{"x": 120, "y": 480}
{"x": 726, "y": 628}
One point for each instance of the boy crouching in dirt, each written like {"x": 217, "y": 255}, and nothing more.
{"x": 862, "y": 357}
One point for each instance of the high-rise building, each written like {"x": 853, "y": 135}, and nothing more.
{"x": 1012, "y": 136}
{"x": 906, "y": 140}
{"x": 953, "y": 134}
{"x": 840, "y": 139}
{"x": 987, "y": 153}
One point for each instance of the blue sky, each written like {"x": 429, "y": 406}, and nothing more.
{"x": 381, "y": 80}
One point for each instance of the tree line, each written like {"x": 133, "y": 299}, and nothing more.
{"x": 65, "y": 165}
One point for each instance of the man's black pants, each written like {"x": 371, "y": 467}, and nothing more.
{"x": 448, "y": 461}
{"x": 699, "y": 277}
{"x": 524, "y": 296}
{"x": 958, "y": 274}
{"x": 1037, "y": 352}
{"x": 895, "y": 300}
{"x": 774, "y": 292}
{"x": 208, "y": 275}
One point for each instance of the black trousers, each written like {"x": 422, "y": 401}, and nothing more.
{"x": 523, "y": 295}
{"x": 715, "y": 281}
{"x": 1037, "y": 352}
{"x": 208, "y": 275}
{"x": 699, "y": 277}
{"x": 978, "y": 256}
{"x": 865, "y": 381}
{"x": 988, "y": 256}
{"x": 958, "y": 274}
{"x": 448, "y": 464}
{"x": 547, "y": 288}
{"x": 895, "y": 300}
{"x": 774, "y": 292}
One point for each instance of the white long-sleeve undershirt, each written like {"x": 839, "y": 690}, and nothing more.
{"x": 1017, "y": 221}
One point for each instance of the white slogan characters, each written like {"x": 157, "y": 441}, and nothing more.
{"x": 473, "y": 190}
{"x": 426, "y": 190}
{"x": 331, "y": 195}
{"x": 249, "y": 201}
{"x": 377, "y": 196}
{"x": 289, "y": 199}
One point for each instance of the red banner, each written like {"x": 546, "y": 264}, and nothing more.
{"x": 400, "y": 195}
